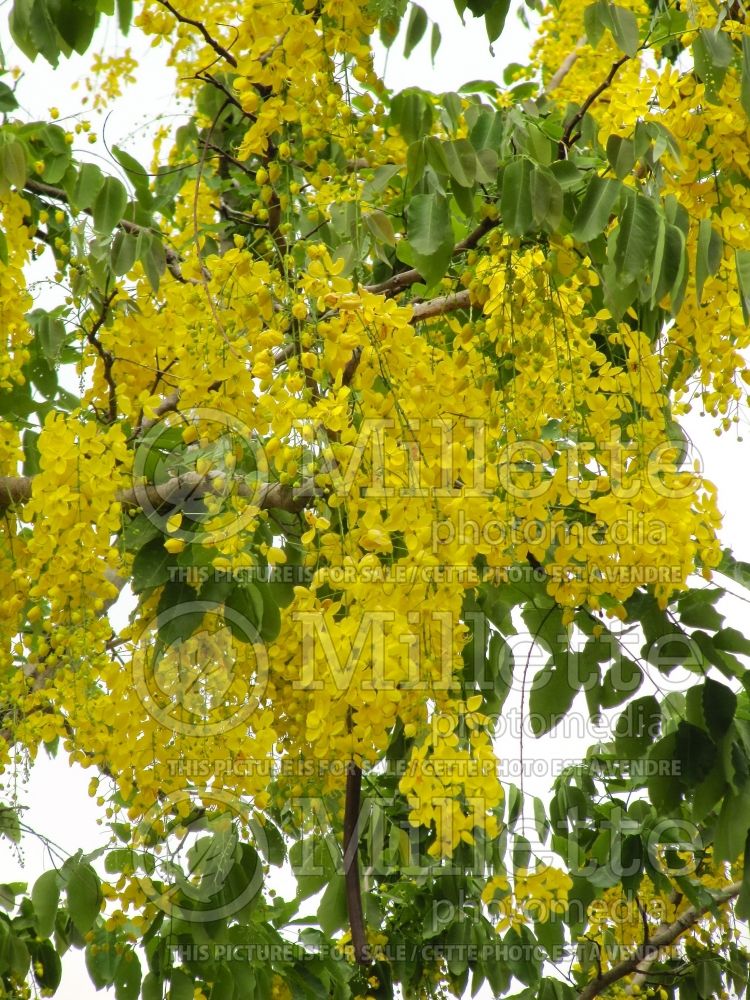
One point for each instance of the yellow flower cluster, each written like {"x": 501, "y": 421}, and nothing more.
{"x": 535, "y": 896}
{"x": 15, "y": 301}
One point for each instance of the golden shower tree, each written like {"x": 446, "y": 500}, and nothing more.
{"x": 338, "y": 393}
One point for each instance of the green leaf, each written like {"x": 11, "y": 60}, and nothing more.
{"x": 76, "y": 22}
{"x": 494, "y": 19}
{"x": 13, "y": 162}
{"x": 719, "y": 705}
{"x": 332, "y": 914}
{"x": 110, "y": 205}
{"x": 88, "y": 185}
{"x": 124, "y": 15}
{"x": 461, "y": 161}
{"x": 9, "y": 824}
{"x": 150, "y": 566}
{"x": 658, "y": 261}
{"x": 708, "y": 255}
{"x": 246, "y": 601}
{"x": 31, "y": 454}
{"x": 695, "y": 753}
{"x": 177, "y": 614}
{"x": 742, "y": 265}
{"x": 712, "y": 54}
{"x": 550, "y": 699}
{"x": 636, "y": 237}
{"x": 742, "y": 907}
{"x": 430, "y": 235}
{"x": 8, "y": 100}
{"x": 84, "y": 896}
{"x": 47, "y": 965}
{"x": 732, "y": 827}
{"x": 128, "y": 976}
{"x": 733, "y": 641}
{"x": 638, "y": 726}
{"x": 151, "y": 254}
{"x": 621, "y": 154}
{"x": 123, "y": 252}
{"x": 381, "y": 227}
{"x": 271, "y": 625}
{"x": 311, "y": 865}
{"x": 411, "y": 111}
{"x": 546, "y": 199}
{"x": 593, "y": 23}
{"x": 595, "y": 209}
{"x": 745, "y": 85}
{"x": 664, "y": 790}
{"x": 137, "y": 175}
{"x": 516, "y": 206}
{"x": 624, "y": 28}
{"x": 45, "y": 897}
{"x": 43, "y": 32}
{"x": 50, "y": 332}
{"x": 415, "y": 29}
{"x": 674, "y": 266}
{"x": 180, "y": 986}
{"x": 435, "y": 39}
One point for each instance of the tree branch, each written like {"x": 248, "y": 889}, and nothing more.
{"x": 17, "y": 490}
{"x": 441, "y": 305}
{"x": 664, "y": 937}
{"x": 565, "y": 67}
{"x": 351, "y": 864}
{"x": 218, "y": 49}
{"x": 107, "y": 358}
{"x": 397, "y": 282}
{"x": 565, "y": 142}
{"x": 132, "y": 228}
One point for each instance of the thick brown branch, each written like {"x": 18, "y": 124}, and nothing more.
{"x": 14, "y": 490}
{"x": 441, "y": 305}
{"x": 17, "y": 490}
{"x": 664, "y": 937}
{"x": 351, "y": 864}
{"x": 218, "y": 49}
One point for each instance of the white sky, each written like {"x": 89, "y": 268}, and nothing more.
{"x": 57, "y": 799}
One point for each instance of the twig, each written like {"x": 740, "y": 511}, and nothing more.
{"x": 173, "y": 260}
{"x": 565, "y": 142}
{"x": 218, "y": 49}
{"x": 108, "y": 359}
{"x": 404, "y": 279}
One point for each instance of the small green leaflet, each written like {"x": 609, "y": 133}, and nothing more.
{"x": 595, "y": 209}
{"x": 619, "y": 21}
{"x": 745, "y": 88}
{"x": 636, "y": 237}
{"x": 742, "y": 264}
{"x": 430, "y": 235}
{"x": 708, "y": 255}
{"x": 415, "y": 29}
{"x": 516, "y": 205}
